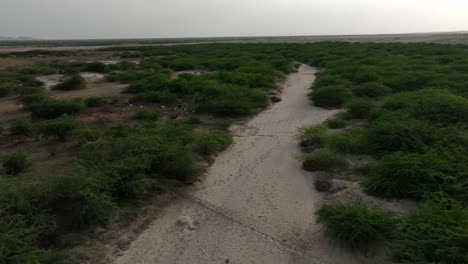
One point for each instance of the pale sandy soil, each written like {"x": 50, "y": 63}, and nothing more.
{"x": 256, "y": 204}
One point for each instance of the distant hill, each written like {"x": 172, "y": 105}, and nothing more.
{"x": 16, "y": 38}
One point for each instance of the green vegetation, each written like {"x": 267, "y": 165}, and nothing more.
{"x": 49, "y": 108}
{"x": 336, "y": 123}
{"x": 60, "y": 127}
{"x": 213, "y": 142}
{"x": 147, "y": 115}
{"x": 74, "y": 82}
{"x": 324, "y": 160}
{"x": 357, "y": 225}
{"x": 410, "y": 99}
{"x": 96, "y": 101}
{"x": 21, "y": 127}
{"x": 16, "y": 163}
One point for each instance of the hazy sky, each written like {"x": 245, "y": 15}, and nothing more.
{"x": 206, "y": 18}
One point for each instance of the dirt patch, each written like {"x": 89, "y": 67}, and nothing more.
{"x": 50, "y": 81}
{"x": 176, "y": 74}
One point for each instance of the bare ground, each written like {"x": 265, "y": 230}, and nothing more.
{"x": 256, "y": 204}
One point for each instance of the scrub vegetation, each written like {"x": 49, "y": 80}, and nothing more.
{"x": 406, "y": 105}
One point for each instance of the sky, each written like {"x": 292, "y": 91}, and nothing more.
{"x": 91, "y": 19}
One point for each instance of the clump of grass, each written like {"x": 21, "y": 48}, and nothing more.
{"x": 52, "y": 108}
{"x": 349, "y": 141}
{"x": 324, "y": 160}
{"x": 330, "y": 96}
{"x": 336, "y": 123}
{"x": 60, "y": 127}
{"x": 357, "y": 225}
{"x": 312, "y": 136}
{"x": 74, "y": 82}
{"x": 148, "y": 115}
{"x": 21, "y": 127}
{"x": 96, "y": 101}
{"x": 371, "y": 90}
{"x": 359, "y": 108}
{"x": 213, "y": 142}
{"x": 16, "y": 163}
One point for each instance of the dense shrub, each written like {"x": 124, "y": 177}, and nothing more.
{"x": 21, "y": 127}
{"x": 96, "y": 101}
{"x": 330, "y": 96}
{"x": 60, "y": 127}
{"x": 16, "y": 163}
{"x": 432, "y": 105}
{"x": 359, "y": 108}
{"x": 155, "y": 97}
{"x": 148, "y": 115}
{"x": 324, "y": 160}
{"x": 336, "y": 123}
{"x": 213, "y": 142}
{"x": 357, "y": 225}
{"x": 408, "y": 175}
{"x": 95, "y": 67}
{"x": 349, "y": 141}
{"x": 397, "y": 132}
{"x": 313, "y": 136}
{"x": 371, "y": 90}
{"x": 436, "y": 233}
{"x": 74, "y": 82}
{"x": 53, "y": 108}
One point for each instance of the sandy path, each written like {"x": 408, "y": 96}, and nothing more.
{"x": 256, "y": 204}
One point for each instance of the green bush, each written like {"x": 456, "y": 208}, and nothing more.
{"x": 53, "y": 108}
{"x": 96, "y": 101}
{"x": 155, "y": 97}
{"x": 74, "y": 82}
{"x": 371, "y": 90}
{"x": 330, "y": 96}
{"x": 95, "y": 67}
{"x": 31, "y": 96}
{"x": 357, "y": 225}
{"x": 213, "y": 142}
{"x": 16, "y": 163}
{"x": 397, "y": 132}
{"x": 359, "y": 108}
{"x": 402, "y": 175}
{"x": 313, "y": 136}
{"x": 21, "y": 127}
{"x": 324, "y": 160}
{"x": 60, "y": 127}
{"x": 436, "y": 233}
{"x": 148, "y": 115}
{"x": 432, "y": 105}
{"x": 349, "y": 141}
{"x": 336, "y": 123}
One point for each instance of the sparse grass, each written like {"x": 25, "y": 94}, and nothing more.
{"x": 324, "y": 160}
{"x": 357, "y": 225}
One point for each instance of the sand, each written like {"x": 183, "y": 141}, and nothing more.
{"x": 255, "y": 205}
